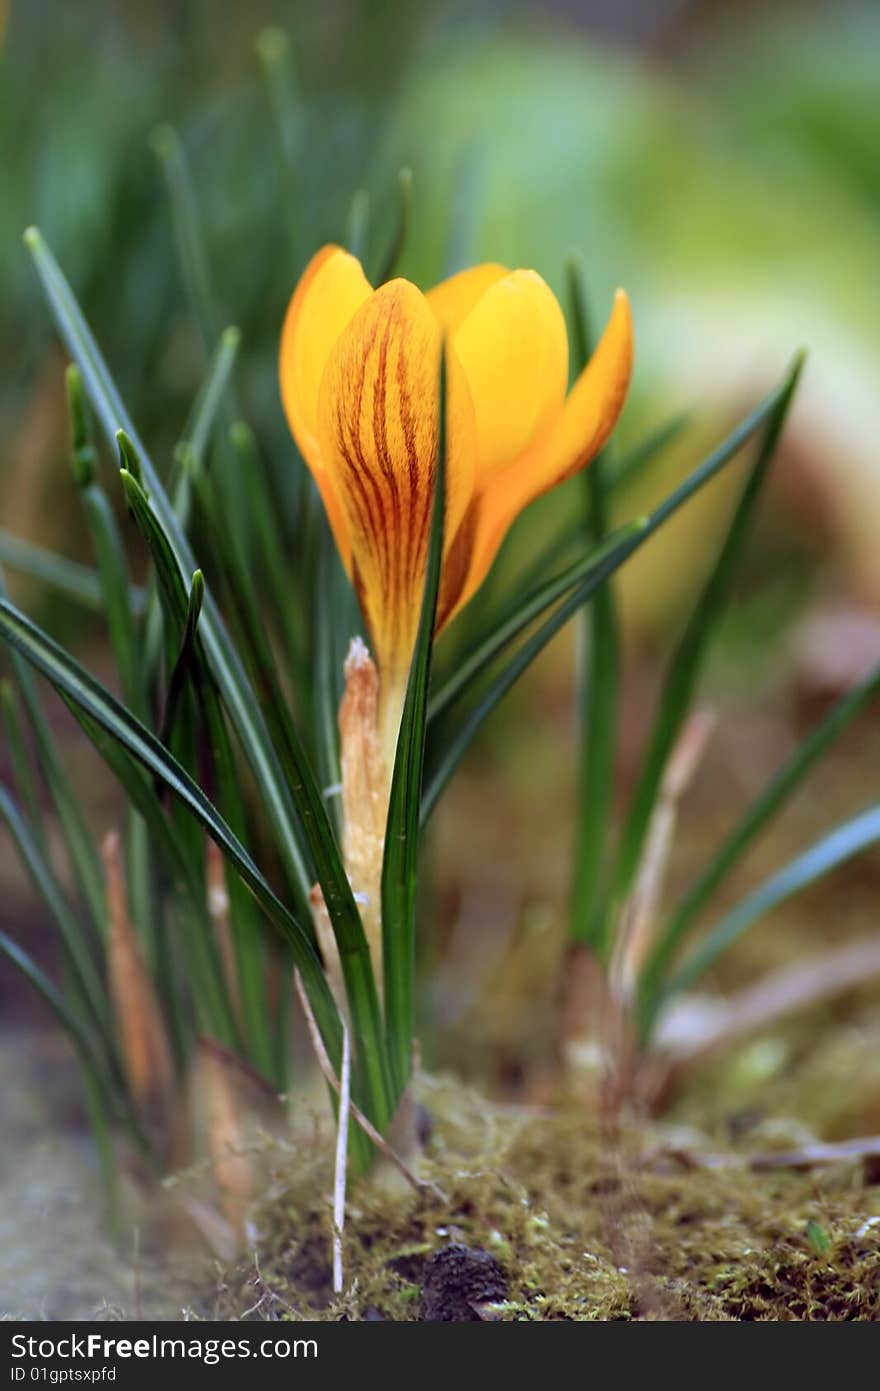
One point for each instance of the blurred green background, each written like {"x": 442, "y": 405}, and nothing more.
{"x": 718, "y": 159}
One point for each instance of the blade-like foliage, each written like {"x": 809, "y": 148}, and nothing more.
{"x": 400, "y": 862}
{"x": 688, "y": 659}
{"x": 66, "y": 577}
{"x": 78, "y": 686}
{"x": 833, "y": 850}
{"x": 769, "y": 802}
{"x": 87, "y": 983}
{"x": 223, "y": 658}
{"x": 599, "y": 677}
{"x": 596, "y": 569}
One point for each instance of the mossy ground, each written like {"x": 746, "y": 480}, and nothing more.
{"x": 585, "y": 1228}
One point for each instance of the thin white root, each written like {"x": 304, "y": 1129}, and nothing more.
{"x": 372, "y": 1134}
{"x": 341, "y": 1160}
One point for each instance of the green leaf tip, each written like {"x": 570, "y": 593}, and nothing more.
{"x": 32, "y": 238}
{"x": 84, "y": 458}
{"x": 196, "y": 590}
{"x": 129, "y": 459}
{"x": 231, "y": 338}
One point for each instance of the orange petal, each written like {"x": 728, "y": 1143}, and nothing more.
{"x": 580, "y": 431}
{"x": 454, "y": 298}
{"x": 377, "y": 426}
{"x": 514, "y": 351}
{"x": 330, "y": 291}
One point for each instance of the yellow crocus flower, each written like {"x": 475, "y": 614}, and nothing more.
{"x": 359, "y": 380}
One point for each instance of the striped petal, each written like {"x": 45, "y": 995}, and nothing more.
{"x": 331, "y": 290}
{"x": 377, "y": 429}
{"x": 580, "y": 430}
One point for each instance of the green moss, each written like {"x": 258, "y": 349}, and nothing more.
{"x": 584, "y": 1230}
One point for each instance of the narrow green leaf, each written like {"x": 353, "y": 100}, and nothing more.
{"x": 521, "y": 614}
{"x": 358, "y": 227}
{"x": 99, "y": 705}
{"x": 198, "y": 940}
{"x": 88, "y": 984}
{"x": 191, "y": 454}
{"x": 273, "y": 570}
{"x": 769, "y": 802}
{"x": 275, "y": 54}
{"x": 400, "y": 863}
{"x": 84, "y": 456}
{"x": 183, "y": 612}
{"x": 186, "y": 657}
{"x": 226, "y": 666}
{"x": 19, "y": 755}
{"x": 99, "y": 1086}
{"x": 597, "y": 569}
{"x": 107, "y": 543}
{"x": 598, "y": 684}
{"x": 633, "y": 462}
{"x": 169, "y": 151}
{"x": 69, "y": 1019}
{"x": 619, "y": 471}
{"x": 113, "y": 570}
{"x": 85, "y": 861}
{"x": 66, "y": 577}
{"x": 208, "y": 403}
{"x": 828, "y": 853}
{"x": 687, "y": 661}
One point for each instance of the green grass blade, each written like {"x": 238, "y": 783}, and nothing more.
{"x": 183, "y": 611}
{"x": 828, "y": 853}
{"x": 273, "y": 568}
{"x": 191, "y": 453}
{"x": 633, "y": 462}
{"x": 598, "y": 683}
{"x": 400, "y": 862}
{"x": 351, "y": 940}
{"x": 208, "y": 403}
{"x": 71, "y": 1022}
{"x": 113, "y": 570}
{"x": 687, "y": 661}
{"x": 19, "y": 755}
{"x": 75, "y": 939}
{"x": 66, "y": 577}
{"x": 85, "y": 860}
{"x": 77, "y": 685}
{"x": 328, "y": 667}
{"x": 520, "y": 616}
{"x": 597, "y": 570}
{"x": 619, "y": 471}
{"x": 358, "y": 226}
{"x": 99, "y": 1086}
{"x": 226, "y": 666}
{"x": 763, "y": 809}
{"x": 203, "y": 965}
{"x": 274, "y": 51}
{"x": 186, "y": 657}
